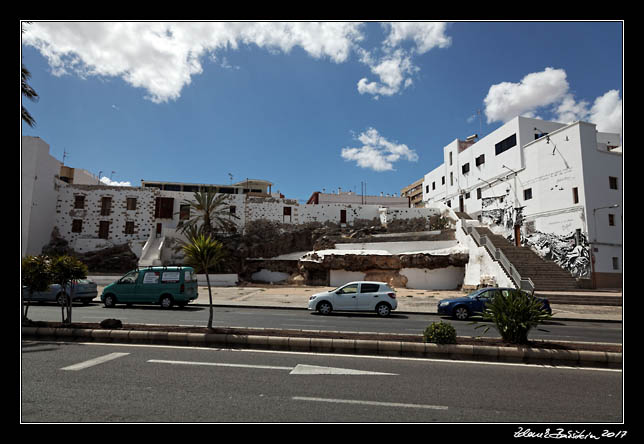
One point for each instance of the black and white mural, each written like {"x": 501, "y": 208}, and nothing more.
{"x": 571, "y": 251}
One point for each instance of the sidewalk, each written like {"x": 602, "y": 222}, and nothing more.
{"x": 409, "y": 300}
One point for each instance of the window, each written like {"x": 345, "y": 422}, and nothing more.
{"x": 233, "y": 209}
{"x": 369, "y": 288}
{"x": 349, "y": 289}
{"x": 426, "y": 188}
{"x": 184, "y": 212}
{"x": 451, "y": 179}
{"x": 527, "y": 194}
{"x": 103, "y": 229}
{"x": 612, "y": 182}
{"x": 343, "y": 216}
{"x": 478, "y": 193}
{"x": 433, "y": 185}
{"x": 465, "y": 168}
{"x": 129, "y": 228}
{"x": 505, "y": 144}
{"x": 131, "y": 203}
{"x": 575, "y": 195}
{"x": 443, "y": 181}
{"x": 163, "y": 208}
{"x": 77, "y": 225}
{"x": 106, "y": 206}
{"x": 467, "y": 195}
{"x": 480, "y": 160}
{"x": 79, "y": 202}
{"x": 615, "y": 263}
{"x": 286, "y": 212}
{"x": 450, "y": 158}
{"x": 611, "y": 220}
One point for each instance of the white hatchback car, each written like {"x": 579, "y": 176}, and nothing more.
{"x": 356, "y": 296}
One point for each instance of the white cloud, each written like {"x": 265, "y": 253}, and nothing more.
{"x": 548, "y": 91}
{"x": 393, "y": 71}
{"x": 606, "y": 112}
{"x": 507, "y": 100}
{"x": 426, "y": 35}
{"x": 113, "y": 183}
{"x": 162, "y": 57}
{"x": 395, "y": 68}
{"x": 378, "y": 153}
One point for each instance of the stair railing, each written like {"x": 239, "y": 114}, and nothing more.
{"x": 496, "y": 253}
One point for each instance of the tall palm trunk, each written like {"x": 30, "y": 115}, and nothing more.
{"x": 210, "y": 315}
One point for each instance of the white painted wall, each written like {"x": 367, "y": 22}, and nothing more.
{"x": 39, "y": 189}
{"x": 449, "y": 278}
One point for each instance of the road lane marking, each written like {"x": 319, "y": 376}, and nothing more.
{"x": 217, "y": 364}
{"x": 373, "y": 403}
{"x": 300, "y": 369}
{"x": 95, "y": 361}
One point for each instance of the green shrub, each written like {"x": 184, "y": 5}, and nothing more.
{"x": 514, "y": 313}
{"x": 440, "y": 333}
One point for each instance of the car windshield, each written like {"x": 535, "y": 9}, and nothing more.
{"x": 476, "y": 293}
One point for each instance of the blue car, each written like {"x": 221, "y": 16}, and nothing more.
{"x": 464, "y": 307}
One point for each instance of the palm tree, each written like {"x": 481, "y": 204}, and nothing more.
{"x": 28, "y": 92}
{"x": 203, "y": 253}
{"x": 212, "y": 214}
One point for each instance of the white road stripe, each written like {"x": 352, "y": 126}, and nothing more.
{"x": 216, "y": 364}
{"x": 95, "y": 361}
{"x": 374, "y": 403}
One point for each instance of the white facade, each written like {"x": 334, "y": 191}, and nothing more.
{"x": 38, "y": 194}
{"x": 546, "y": 178}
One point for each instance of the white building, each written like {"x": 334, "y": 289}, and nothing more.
{"x": 544, "y": 183}
{"x": 39, "y": 191}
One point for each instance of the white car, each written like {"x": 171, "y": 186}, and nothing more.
{"x": 356, "y": 296}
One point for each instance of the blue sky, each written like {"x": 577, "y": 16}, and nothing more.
{"x": 307, "y": 106}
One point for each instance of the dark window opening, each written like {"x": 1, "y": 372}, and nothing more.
{"x": 77, "y": 226}
{"x": 79, "y": 202}
{"x": 505, "y": 144}
{"x": 106, "y": 206}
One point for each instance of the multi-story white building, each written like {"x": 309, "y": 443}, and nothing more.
{"x": 555, "y": 186}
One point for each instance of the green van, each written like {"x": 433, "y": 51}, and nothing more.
{"x": 166, "y": 286}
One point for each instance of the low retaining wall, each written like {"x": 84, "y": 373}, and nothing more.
{"x": 517, "y": 354}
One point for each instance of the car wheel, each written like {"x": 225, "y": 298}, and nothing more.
{"x": 166, "y": 301}
{"x": 109, "y": 301}
{"x": 461, "y": 313}
{"x": 324, "y": 308}
{"x": 383, "y": 310}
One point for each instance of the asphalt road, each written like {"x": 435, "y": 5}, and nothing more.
{"x": 302, "y": 319}
{"x": 74, "y": 382}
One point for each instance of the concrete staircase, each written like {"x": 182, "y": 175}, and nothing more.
{"x": 546, "y": 275}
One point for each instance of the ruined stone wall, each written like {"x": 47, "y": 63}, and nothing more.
{"x": 141, "y": 217}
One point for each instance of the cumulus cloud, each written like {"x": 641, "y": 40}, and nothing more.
{"x": 426, "y": 35}
{"x": 378, "y": 153}
{"x": 163, "y": 57}
{"x": 548, "y": 92}
{"x": 114, "y": 183}
{"x": 393, "y": 71}
{"x": 507, "y": 100}
{"x": 395, "y": 67}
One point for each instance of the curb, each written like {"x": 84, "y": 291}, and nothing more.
{"x": 429, "y": 313}
{"x": 518, "y": 354}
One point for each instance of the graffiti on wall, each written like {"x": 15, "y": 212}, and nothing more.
{"x": 571, "y": 251}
